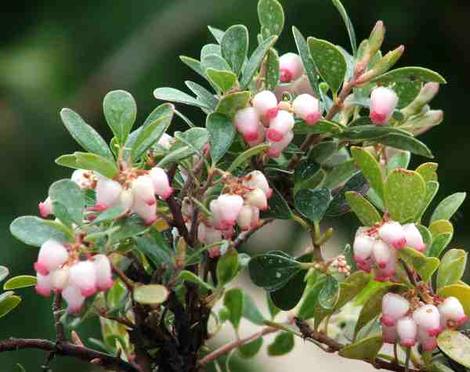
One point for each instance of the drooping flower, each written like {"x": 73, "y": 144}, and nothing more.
{"x": 290, "y": 67}
{"x": 307, "y": 107}
{"x": 383, "y": 102}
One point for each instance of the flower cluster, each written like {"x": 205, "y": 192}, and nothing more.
{"x": 59, "y": 268}
{"x": 409, "y": 322}
{"x": 376, "y": 247}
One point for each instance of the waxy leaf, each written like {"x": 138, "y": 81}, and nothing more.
{"x": 250, "y": 349}
{"x": 233, "y": 301}
{"x": 120, "y": 111}
{"x": 309, "y": 303}
{"x": 203, "y": 95}
{"x": 329, "y": 61}
{"x": 34, "y": 231}
{"x": 456, "y": 346}
{"x": 446, "y": 208}
{"x": 188, "y": 276}
{"x": 452, "y": 267}
{"x": 217, "y": 33}
{"x": 313, "y": 203}
{"x": 428, "y": 171}
{"x": 282, "y": 344}
{"x": 7, "y": 304}
{"x": 247, "y": 154}
{"x": 431, "y": 190}
{"x": 399, "y": 160}
{"x": 175, "y": 95}
{"x": 233, "y": 102}
{"x": 410, "y": 74}
{"x": 365, "y": 349}
{"x": 406, "y": 142}
{"x": 104, "y": 166}
{"x": 362, "y": 208}
{"x": 322, "y": 126}
{"x": 347, "y": 22}
{"x": 84, "y": 134}
{"x": 424, "y": 266}
{"x": 405, "y": 192}
{"x": 271, "y": 18}
{"x": 251, "y": 311}
{"x": 151, "y": 294}
{"x": 20, "y": 281}
{"x": 4, "y": 272}
{"x": 307, "y": 61}
{"x": 329, "y": 293}
{"x": 278, "y": 207}
{"x": 227, "y": 267}
{"x": 254, "y": 62}
{"x": 223, "y": 80}
{"x": 370, "y": 168}
{"x": 68, "y": 201}
{"x": 214, "y": 61}
{"x": 210, "y": 49}
{"x": 234, "y": 45}
{"x": 272, "y": 69}
{"x": 221, "y": 135}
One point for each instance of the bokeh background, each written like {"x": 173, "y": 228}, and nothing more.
{"x": 56, "y": 54}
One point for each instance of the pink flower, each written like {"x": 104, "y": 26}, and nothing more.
{"x": 260, "y": 137}
{"x": 74, "y": 298}
{"x": 265, "y": 103}
{"x": 256, "y": 179}
{"x": 103, "y": 272}
{"x": 362, "y": 246}
{"x": 247, "y": 122}
{"x": 107, "y": 193}
{"x": 382, "y": 253}
{"x": 161, "y": 183}
{"x": 143, "y": 190}
{"x": 428, "y": 343}
{"x": 392, "y": 233}
{"x": 276, "y": 148}
{"x": 52, "y": 255}
{"x": 257, "y": 198}
{"x": 82, "y": 275}
{"x": 225, "y": 210}
{"x": 290, "y": 67}
{"x": 126, "y": 199}
{"x": 386, "y": 273}
{"x": 394, "y": 307}
{"x": 280, "y": 126}
{"x": 389, "y": 334}
{"x": 428, "y": 319}
{"x": 85, "y": 179}
{"x": 148, "y": 212}
{"x": 207, "y": 234}
{"x": 413, "y": 237}
{"x": 407, "y": 331}
{"x": 307, "y": 107}
{"x": 59, "y": 278}
{"x": 43, "y": 285}
{"x": 45, "y": 208}
{"x": 452, "y": 313}
{"x": 382, "y": 104}
{"x": 248, "y": 217}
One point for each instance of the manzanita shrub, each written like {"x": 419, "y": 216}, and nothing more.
{"x": 145, "y": 236}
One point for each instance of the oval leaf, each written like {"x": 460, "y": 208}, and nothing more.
{"x": 282, "y": 344}
{"x": 221, "y": 132}
{"x": 370, "y": 168}
{"x": 271, "y": 17}
{"x": 362, "y": 208}
{"x": 120, "y": 111}
{"x": 234, "y": 46}
{"x": 20, "y": 281}
{"x": 34, "y": 231}
{"x": 452, "y": 267}
{"x": 313, "y": 203}
{"x": 456, "y": 346}
{"x": 446, "y": 208}
{"x": 152, "y": 294}
{"x": 8, "y": 304}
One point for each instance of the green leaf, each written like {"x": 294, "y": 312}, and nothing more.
{"x": 223, "y": 80}
{"x": 329, "y": 293}
{"x": 370, "y": 168}
{"x": 272, "y": 69}
{"x": 188, "y": 276}
{"x": 34, "y": 231}
{"x": 210, "y": 49}
{"x": 446, "y": 208}
{"x": 431, "y": 190}
{"x": 8, "y": 304}
{"x": 271, "y": 18}
{"x": 321, "y": 127}
{"x": 250, "y": 349}
{"x": 120, "y": 111}
{"x": 20, "y": 281}
{"x": 227, "y": 267}
{"x": 233, "y": 102}
{"x": 410, "y": 74}
{"x": 456, "y": 346}
{"x": 405, "y": 192}
{"x": 190, "y": 142}
{"x": 251, "y": 312}
{"x": 406, "y": 142}
{"x": 153, "y": 128}
{"x": 68, "y": 201}
{"x": 307, "y": 308}
{"x": 313, "y": 203}
{"x": 362, "y": 208}
{"x": 460, "y": 291}
{"x": 452, "y": 267}
{"x": 399, "y": 160}
{"x": 424, "y": 266}
{"x": 203, "y": 95}
{"x": 234, "y": 45}
{"x": 84, "y": 134}
{"x": 347, "y": 22}
{"x": 247, "y": 154}
{"x": 428, "y": 171}
{"x": 368, "y": 131}
{"x": 193, "y": 64}
{"x": 255, "y": 61}
{"x": 128, "y": 228}
{"x": 218, "y": 34}
{"x": 175, "y": 95}
{"x": 214, "y": 61}
{"x": 365, "y": 349}
{"x": 441, "y": 227}
{"x": 104, "y": 166}
{"x": 221, "y": 135}
{"x": 233, "y": 301}
{"x": 340, "y": 174}
{"x": 282, "y": 344}
{"x": 151, "y": 294}
{"x": 272, "y": 270}
{"x": 69, "y": 161}
{"x": 4, "y": 272}
{"x": 307, "y": 61}
{"x": 278, "y": 207}
{"x": 155, "y": 248}
{"x": 330, "y": 62}
{"x": 351, "y": 287}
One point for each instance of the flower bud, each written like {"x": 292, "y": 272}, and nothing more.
{"x": 85, "y": 179}
{"x": 43, "y": 285}
{"x": 143, "y": 190}
{"x": 386, "y": 273}
{"x": 247, "y": 122}
{"x": 82, "y": 275}
{"x": 382, "y": 253}
{"x": 392, "y": 233}
{"x": 51, "y": 256}
{"x": 413, "y": 237}
{"x": 376, "y": 39}
{"x": 280, "y": 126}
{"x": 307, "y": 107}
{"x": 407, "y": 331}
{"x": 265, "y": 103}
{"x": 45, "y": 208}
{"x": 257, "y": 198}
{"x": 107, "y": 193}
{"x": 394, "y": 307}
{"x": 428, "y": 343}
{"x": 72, "y": 295}
{"x": 428, "y": 318}
{"x": 103, "y": 272}
{"x": 126, "y": 199}
{"x": 59, "y": 278}
{"x": 382, "y": 103}
{"x": 256, "y": 179}
{"x": 276, "y": 148}
{"x": 161, "y": 183}
{"x": 426, "y": 94}
{"x": 290, "y": 67}
{"x": 207, "y": 234}
{"x": 389, "y": 334}
{"x": 362, "y": 246}
{"x": 148, "y": 212}
{"x": 260, "y": 137}
{"x": 248, "y": 217}
{"x": 165, "y": 141}
{"x": 452, "y": 313}
{"x": 225, "y": 210}
{"x": 383, "y": 65}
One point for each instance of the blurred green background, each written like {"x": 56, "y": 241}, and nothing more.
{"x": 70, "y": 53}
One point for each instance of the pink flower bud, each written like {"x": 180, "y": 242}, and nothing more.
{"x": 428, "y": 343}
{"x": 413, "y": 237}
{"x": 248, "y": 217}
{"x": 307, "y": 107}
{"x": 386, "y": 273}
{"x": 257, "y": 198}
{"x": 260, "y": 137}
{"x": 276, "y": 148}
{"x": 452, "y": 313}
{"x": 362, "y": 246}
{"x": 161, "y": 183}
{"x": 165, "y": 141}
{"x": 45, "y": 208}
{"x": 407, "y": 331}
{"x": 290, "y": 67}
{"x": 389, "y": 334}
{"x": 52, "y": 255}
{"x": 208, "y": 235}
{"x": 107, "y": 193}
{"x": 103, "y": 272}
{"x": 82, "y": 275}
{"x": 428, "y": 318}
{"x": 382, "y": 253}
{"x": 143, "y": 190}
{"x": 74, "y": 298}
{"x": 382, "y": 103}
{"x": 126, "y": 199}
{"x": 247, "y": 122}
{"x": 43, "y": 285}
{"x": 280, "y": 126}
{"x": 256, "y": 179}
{"x": 60, "y": 278}
{"x": 148, "y": 212}
{"x": 265, "y": 103}
{"x": 85, "y": 179}
{"x": 394, "y": 307}
{"x": 225, "y": 210}
{"x": 392, "y": 233}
